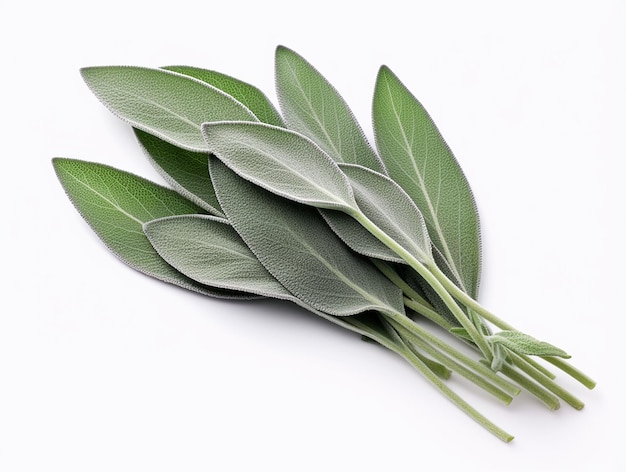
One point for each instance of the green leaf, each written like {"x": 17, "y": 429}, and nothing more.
{"x": 296, "y": 246}
{"x": 166, "y": 104}
{"x": 186, "y": 171}
{"x": 313, "y": 107}
{"x": 208, "y": 250}
{"x": 281, "y": 161}
{"x": 461, "y": 333}
{"x": 251, "y": 97}
{"x": 526, "y": 345}
{"x": 389, "y": 207}
{"x": 116, "y": 204}
{"x": 417, "y": 158}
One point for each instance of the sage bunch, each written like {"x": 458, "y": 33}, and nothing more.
{"x": 297, "y": 205}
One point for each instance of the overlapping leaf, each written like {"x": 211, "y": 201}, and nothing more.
{"x": 166, "y": 104}
{"x": 384, "y": 203}
{"x": 251, "y": 97}
{"x": 186, "y": 171}
{"x": 209, "y": 250}
{"x": 116, "y": 204}
{"x": 419, "y": 160}
{"x": 296, "y": 246}
{"x": 312, "y": 106}
{"x": 282, "y": 161}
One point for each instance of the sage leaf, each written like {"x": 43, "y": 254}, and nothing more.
{"x": 209, "y": 250}
{"x": 312, "y": 106}
{"x": 166, "y": 104}
{"x": 248, "y": 95}
{"x": 186, "y": 171}
{"x": 383, "y": 202}
{"x": 419, "y": 160}
{"x": 281, "y": 161}
{"x": 296, "y": 246}
{"x": 116, "y": 204}
{"x": 525, "y": 344}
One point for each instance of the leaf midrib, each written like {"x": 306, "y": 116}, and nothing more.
{"x": 422, "y": 186}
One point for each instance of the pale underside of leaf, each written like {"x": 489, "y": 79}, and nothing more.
{"x": 385, "y": 204}
{"x": 296, "y": 246}
{"x": 312, "y": 106}
{"x": 248, "y": 95}
{"x": 418, "y": 159}
{"x": 209, "y": 251}
{"x": 281, "y": 161}
{"x": 116, "y": 204}
{"x": 166, "y": 104}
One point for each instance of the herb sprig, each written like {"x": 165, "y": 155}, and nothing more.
{"x": 297, "y": 205}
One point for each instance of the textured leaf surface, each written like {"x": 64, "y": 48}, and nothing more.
{"x": 417, "y": 158}
{"x": 281, "y": 161}
{"x": 312, "y": 106}
{"x": 389, "y": 208}
{"x": 186, "y": 171}
{"x": 166, "y": 104}
{"x": 250, "y": 96}
{"x": 524, "y": 344}
{"x": 211, "y": 252}
{"x": 116, "y": 204}
{"x": 297, "y": 247}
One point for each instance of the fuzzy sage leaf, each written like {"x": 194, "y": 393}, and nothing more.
{"x": 116, "y": 204}
{"x": 385, "y": 204}
{"x": 186, "y": 171}
{"x": 522, "y": 343}
{"x": 419, "y": 160}
{"x": 248, "y": 95}
{"x": 296, "y": 246}
{"x": 281, "y": 161}
{"x": 166, "y": 104}
{"x": 209, "y": 250}
{"x": 314, "y": 108}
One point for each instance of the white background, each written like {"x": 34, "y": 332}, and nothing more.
{"x": 102, "y": 368}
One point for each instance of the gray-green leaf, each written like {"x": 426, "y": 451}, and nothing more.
{"x": 417, "y": 158}
{"x": 383, "y": 202}
{"x": 116, "y": 204}
{"x": 250, "y": 96}
{"x": 166, "y": 104}
{"x": 281, "y": 161}
{"x": 186, "y": 171}
{"x": 527, "y": 345}
{"x": 296, "y": 246}
{"x": 210, "y": 251}
{"x": 312, "y": 106}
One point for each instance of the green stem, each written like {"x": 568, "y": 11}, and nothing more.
{"x": 455, "y": 398}
{"x": 417, "y": 332}
{"x": 454, "y": 365}
{"x": 428, "y": 313}
{"x": 474, "y": 305}
{"x": 572, "y": 371}
{"x": 550, "y": 400}
{"x": 428, "y": 276}
{"x": 438, "y": 368}
{"x": 538, "y": 366}
{"x": 547, "y": 383}
{"x": 392, "y": 275}
{"x": 466, "y": 300}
